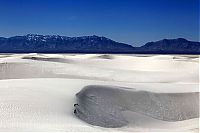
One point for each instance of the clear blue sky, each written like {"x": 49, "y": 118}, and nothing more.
{"x": 131, "y": 21}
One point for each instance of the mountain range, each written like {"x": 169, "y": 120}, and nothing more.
{"x": 33, "y": 43}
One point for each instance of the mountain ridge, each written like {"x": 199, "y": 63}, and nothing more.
{"x": 170, "y": 46}
{"x": 34, "y": 43}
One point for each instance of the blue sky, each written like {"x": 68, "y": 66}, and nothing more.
{"x": 131, "y": 21}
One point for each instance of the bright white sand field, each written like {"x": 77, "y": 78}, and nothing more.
{"x": 37, "y": 91}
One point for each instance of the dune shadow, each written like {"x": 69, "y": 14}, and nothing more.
{"x": 103, "y": 105}
{"x": 109, "y": 57}
{"x": 59, "y": 60}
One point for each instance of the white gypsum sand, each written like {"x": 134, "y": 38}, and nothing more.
{"x": 37, "y": 91}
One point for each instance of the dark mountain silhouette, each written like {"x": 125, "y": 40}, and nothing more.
{"x": 171, "y": 46}
{"x": 55, "y": 43}
{"x": 33, "y": 43}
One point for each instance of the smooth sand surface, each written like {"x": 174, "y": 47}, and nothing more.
{"x": 37, "y": 91}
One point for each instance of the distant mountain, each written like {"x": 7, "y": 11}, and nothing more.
{"x": 33, "y": 43}
{"x": 63, "y": 44}
{"x": 171, "y": 46}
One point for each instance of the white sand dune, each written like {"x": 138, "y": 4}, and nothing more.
{"x": 104, "y": 105}
{"x": 122, "y": 69}
{"x": 37, "y": 93}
